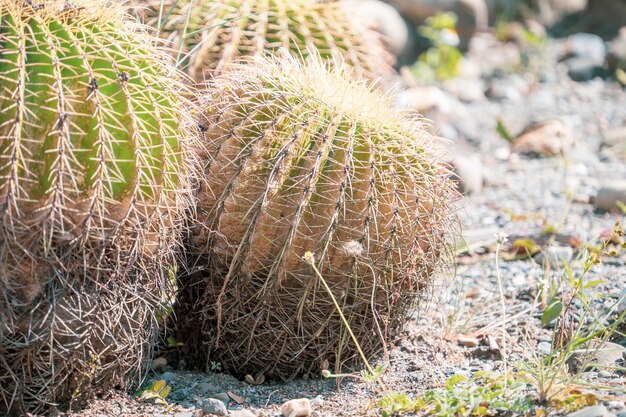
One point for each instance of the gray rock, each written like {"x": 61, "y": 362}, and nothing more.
{"x": 213, "y": 406}
{"x": 179, "y": 394}
{"x": 467, "y": 90}
{"x": 544, "y": 348}
{"x": 554, "y": 256}
{"x": 609, "y": 195}
{"x": 206, "y": 387}
{"x": 168, "y": 376}
{"x": 184, "y": 414}
{"x": 606, "y": 356}
{"x": 593, "y": 411}
{"x": 222, "y": 396}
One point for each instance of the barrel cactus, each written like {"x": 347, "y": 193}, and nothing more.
{"x": 209, "y": 35}
{"x": 303, "y": 160}
{"x": 94, "y": 168}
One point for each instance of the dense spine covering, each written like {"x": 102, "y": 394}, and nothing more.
{"x": 209, "y": 35}
{"x": 93, "y": 183}
{"x": 300, "y": 159}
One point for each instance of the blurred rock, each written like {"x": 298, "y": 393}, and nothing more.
{"x": 614, "y": 137}
{"x": 424, "y": 99}
{"x": 468, "y": 171}
{"x": 616, "y": 56}
{"x": 554, "y": 256}
{"x": 465, "y": 89}
{"x": 586, "y": 45}
{"x": 241, "y": 413}
{"x": 158, "y": 364}
{"x": 585, "y": 69}
{"x": 608, "y": 196}
{"x": 300, "y": 407}
{"x": 387, "y": 20}
{"x": 472, "y": 14}
{"x": 214, "y": 407}
{"x": 607, "y": 355}
{"x": 592, "y": 411}
{"x": 551, "y": 11}
{"x": 549, "y": 138}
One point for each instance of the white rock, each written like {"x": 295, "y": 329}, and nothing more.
{"x": 300, "y": 407}
{"x": 469, "y": 173}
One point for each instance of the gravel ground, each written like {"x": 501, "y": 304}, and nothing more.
{"x": 522, "y": 196}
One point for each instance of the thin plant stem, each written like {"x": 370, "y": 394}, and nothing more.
{"x": 500, "y": 241}
{"x": 309, "y": 258}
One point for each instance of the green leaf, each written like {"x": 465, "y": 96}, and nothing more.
{"x": 158, "y": 385}
{"x": 503, "y": 131}
{"x": 455, "y": 379}
{"x": 551, "y": 312}
{"x": 594, "y": 283}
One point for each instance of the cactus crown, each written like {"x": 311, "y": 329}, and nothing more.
{"x": 91, "y": 128}
{"x": 303, "y": 160}
{"x": 216, "y": 33}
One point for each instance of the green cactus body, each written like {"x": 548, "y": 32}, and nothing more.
{"x": 302, "y": 160}
{"x": 93, "y": 154}
{"x": 216, "y": 33}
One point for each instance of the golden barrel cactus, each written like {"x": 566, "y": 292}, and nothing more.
{"x": 94, "y": 167}
{"x": 301, "y": 159}
{"x": 209, "y": 35}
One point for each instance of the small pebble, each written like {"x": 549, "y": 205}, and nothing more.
{"x": 300, "y": 407}
{"x": 183, "y": 414}
{"x": 467, "y": 341}
{"x": 241, "y": 413}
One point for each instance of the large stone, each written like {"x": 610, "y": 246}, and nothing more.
{"x": 551, "y": 11}
{"x": 549, "y": 138}
{"x": 472, "y": 14}
{"x": 586, "y": 45}
{"x": 213, "y": 406}
{"x": 387, "y": 20}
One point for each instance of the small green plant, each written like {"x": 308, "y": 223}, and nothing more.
{"x": 215, "y": 366}
{"x": 441, "y": 60}
{"x": 480, "y": 395}
{"x": 158, "y": 391}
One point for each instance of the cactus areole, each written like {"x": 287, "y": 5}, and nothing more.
{"x": 92, "y": 187}
{"x": 305, "y": 160}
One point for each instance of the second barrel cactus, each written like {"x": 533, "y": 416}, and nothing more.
{"x": 303, "y": 162}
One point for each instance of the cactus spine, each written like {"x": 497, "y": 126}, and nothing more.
{"x": 93, "y": 183}
{"x": 216, "y": 33}
{"x": 301, "y": 159}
